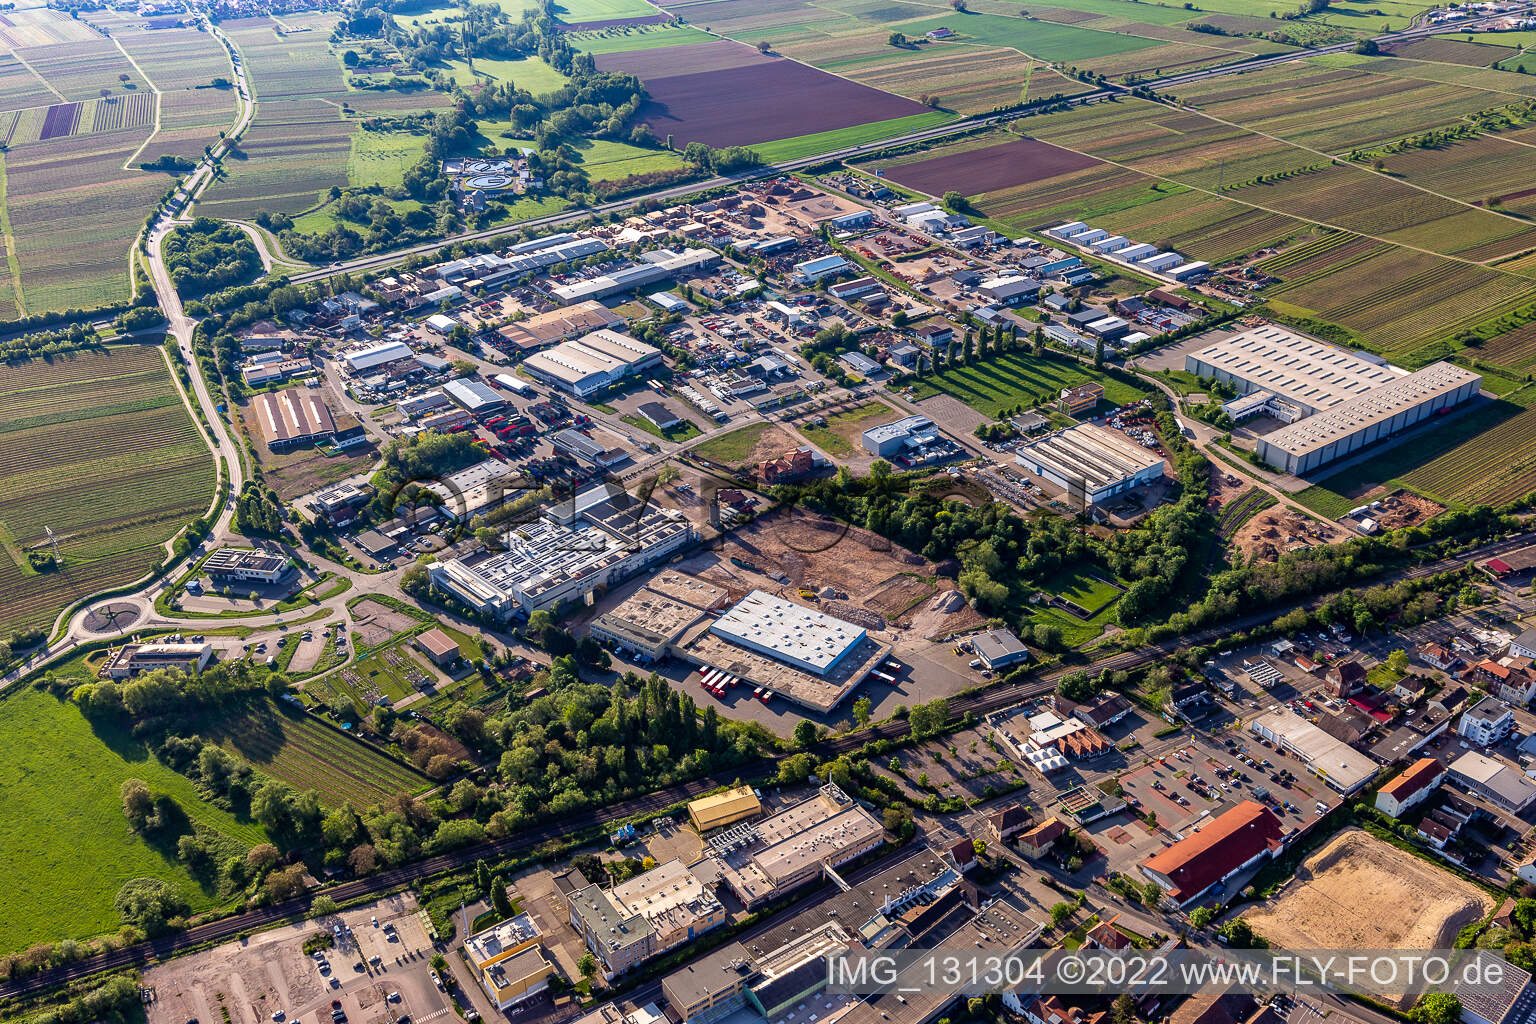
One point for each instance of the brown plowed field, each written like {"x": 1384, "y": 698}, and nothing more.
{"x": 984, "y": 170}
{"x": 726, "y": 94}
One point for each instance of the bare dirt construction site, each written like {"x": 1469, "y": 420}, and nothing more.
{"x": 1279, "y": 529}
{"x": 1358, "y": 892}
{"x": 1401, "y": 509}
{"x": 377, "y": 622}
{"x": 853, "y": 574}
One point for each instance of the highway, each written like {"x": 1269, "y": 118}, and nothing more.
{"x": 988, "y": 700}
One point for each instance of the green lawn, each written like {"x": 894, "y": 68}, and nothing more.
{"x": 730, "y": 449}
{"x": 838, "y": 436}
{"x": 841, "y": 138}
{"x": 65, "y": 848}
{"x": 573, "y": 12}
{"x": 1043, "y": 39}
{"x": 684, "y": 431}
{"x": 1005, "y": 381}
{"x": 1083, "y": 589}
{"x": 602, "y": 159}
{"x": 641, "y": 37}
{"x": 382, "y": 158}
{"x": 324, "y": 218}
{"x": 530, "y": 73}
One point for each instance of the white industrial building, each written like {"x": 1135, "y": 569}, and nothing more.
{"x": 1335, "y": 401}
{"x": 1338, "y": 764}
{"x": 592, "y": 362}
{"x": 656, "y": 265}
{"x": 811, "y": 271}
{"x": 364, "y": 359}
{"x": 568, "y": 555}
{"x": 1390, "y": 409}
{"x": 1310, "y": 374}
{"x": 794, "y": 634}
{"x": 1092, "y": 459}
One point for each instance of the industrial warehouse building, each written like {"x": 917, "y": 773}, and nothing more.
{"x": 711, "y": 812}
{"x": 653, "y": 618}
{"x": 1205, "y": 860}
{"x": 1338, "y": 764}
{"x": 792, "y": 633}
{"x": 292, "y": 417}
{"x": 1308, "y": 374}
{"x": 656, "y": 265}
{"x": 574, "y": 550}
{"x": 559, "y": 325}
{"x": 474, "y": 396}
{"x": 1318, "y": 440}
{"x": 1335, "y": 402}
{"x": 1095, "y": 460}
{"x": 593, "y": 362}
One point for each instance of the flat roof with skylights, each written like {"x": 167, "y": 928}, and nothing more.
{"x": 792, "y": 633}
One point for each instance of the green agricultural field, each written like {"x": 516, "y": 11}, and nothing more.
{"x": 382, "y": 158}
{"x": 642, "y": 37}
{"x": 574, "y": 12}
{"x": 61, "y": 780}
{"x": 1002, "y": 382}
{"x": 68, "y": 427}
{"x": 308, "y": 754}
{"x": 854, "y": 135}
{"x": 603, "y": 159}
{"x": 1043, "y": 39}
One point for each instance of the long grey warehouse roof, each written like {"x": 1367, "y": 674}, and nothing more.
{"x": 1098, "y": 455}
{"x": 1376, "y": 406}
{"x": 1317, "y": 375}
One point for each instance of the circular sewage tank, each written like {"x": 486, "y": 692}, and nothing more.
{"x": 488, "y": 181}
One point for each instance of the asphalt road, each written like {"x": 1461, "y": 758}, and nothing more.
{"x": 929, "y": 134}
{"x": 991, "y": 699}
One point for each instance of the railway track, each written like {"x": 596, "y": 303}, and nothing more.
{"x": 990, "y": 699}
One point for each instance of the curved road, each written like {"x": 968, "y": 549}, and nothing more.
{"x": 227, "y": 447}
{"x": 993, "y": 698}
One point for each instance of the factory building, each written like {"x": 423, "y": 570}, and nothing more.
{"x": 375, "y": 356}
{"x": 1099, "y": 462}
{"x": 557, "y": 325}
{"x": 656, "y": 265}
{"x": 1310, "y": 374}
{"x": 474, "y": 396}
{"x": 811, "y": 271}
{"x": 593, "y": 362}
{"x": 794, "y": 634}
{"x": 291, "y": 417}
{"x": 1388, "y": 410}
{"x": 131, "y": 659}
{"x": 569, "y": 554}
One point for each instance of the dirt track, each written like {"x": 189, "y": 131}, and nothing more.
{"x": 1358, "y": 892}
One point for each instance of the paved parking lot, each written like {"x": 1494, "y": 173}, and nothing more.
{"x": 269, "y": 977}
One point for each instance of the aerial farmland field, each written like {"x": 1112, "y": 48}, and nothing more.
{"x": 998, "y": 384}
{"x": 67, "y": 428}
{"x": 307, "y": 754}
{"x": 703, "y": 92}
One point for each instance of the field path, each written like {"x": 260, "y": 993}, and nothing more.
{"x": 46, "y": 84}
{"x": 159, "y": 102}
{"x": 12, "y": 266}
{"x": 1269, "y": 209}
